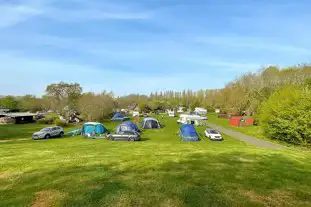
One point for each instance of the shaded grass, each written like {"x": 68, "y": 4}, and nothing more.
{"x": 160, "y": 171}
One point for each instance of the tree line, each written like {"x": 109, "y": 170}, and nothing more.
{"x": 254, "y": 93}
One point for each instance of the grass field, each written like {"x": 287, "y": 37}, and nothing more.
{"x": 158, "y": 171}
{"x": 254, "y": 131}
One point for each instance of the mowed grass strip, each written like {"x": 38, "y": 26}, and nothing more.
{"x": 160, "y": 170}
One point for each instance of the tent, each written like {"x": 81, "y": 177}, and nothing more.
{"x": 91, "y": 129}
{"x": 127, "y": 126}
{"x": 151, "y": 123}
{"x": 188, "y": 133}
{"x": 119, "y": 117}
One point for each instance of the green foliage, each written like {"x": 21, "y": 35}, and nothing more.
{"x": 30, "y": 103}
{"x": 46, "y": 121}
{"x": 61, "y": 123}
{"x": 95, "y": 107}
{"x": 286, "y": 115}
{"x": 9, "y": 102}
{"x": 61, "y": 95}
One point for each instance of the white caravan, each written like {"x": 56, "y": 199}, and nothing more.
{"x": 171, "y": 113}
{"x": 200, "y": 111}
{"x": 190, "y": 119}
{"x": 180, "y": 110}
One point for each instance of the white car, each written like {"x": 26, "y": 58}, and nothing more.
{"x": 49, "y": 132}
{"x": 213, "y": 134}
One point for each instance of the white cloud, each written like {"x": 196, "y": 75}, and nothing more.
{"x": 258, "y": 43}
{"x": 224, "y": 65}
{"x": 12, "y": 14}
{"x": 78, "y": 15}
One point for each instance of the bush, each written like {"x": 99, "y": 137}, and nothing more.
{"x": 45, "y": 121}
{"x": 286, "y": 115}
{"x": 61, "y": 123}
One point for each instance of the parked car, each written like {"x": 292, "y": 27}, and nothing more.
{"x": 49, "y": 132}
{"x": 213, "y": 134}
{"x": 124, "y": 136}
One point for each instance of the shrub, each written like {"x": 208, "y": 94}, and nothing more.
{"x": 286, "y": 115}
{"x": 45, "y": 121}
{"x": 61, "y": 123}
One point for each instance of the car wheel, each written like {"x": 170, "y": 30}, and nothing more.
{"x": 61, "y": 134}
{"x": 47, "y": 136}
{"x": 132, "y": 139}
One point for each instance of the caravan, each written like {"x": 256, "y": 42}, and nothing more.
{"x": 190, "y": 119}
{"x": 171, "y": 113}
{"x": 200, "y": 111}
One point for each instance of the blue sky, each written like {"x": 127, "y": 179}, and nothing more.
{"x": 144, "y": 46}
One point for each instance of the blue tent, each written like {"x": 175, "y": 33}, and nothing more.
{"x": 132, "y": 125}
{"x": 119, "y": 117}
{"x": 188, "y": 133}
{"x": 127, "y": 126}
{"x": 93, "y": 128}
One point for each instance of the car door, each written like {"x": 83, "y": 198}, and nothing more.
{"x": 120, "y": 136}
{"x": 54, "y": 132}
{"x": 207, "y": 133}
{"x": 127, "y": 135}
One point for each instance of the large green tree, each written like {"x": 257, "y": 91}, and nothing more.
{"x": 64, "y": 94}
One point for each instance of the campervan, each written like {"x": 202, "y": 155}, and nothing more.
{"x": 180, "y": 110}
{"x": 190, "y": 119}
{"x": 200, "y": 111}
{"x": 171, "y": 113}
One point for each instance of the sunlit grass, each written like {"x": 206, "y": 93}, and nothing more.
{"x": 160, "y": 170}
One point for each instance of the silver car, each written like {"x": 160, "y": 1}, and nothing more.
{"x": 49, "y": 132}
{"x": 124, "y": 136}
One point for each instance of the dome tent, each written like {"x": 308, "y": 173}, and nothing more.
{"x": 151, "y": 123}
{"x": 188, "y": 133}
{"x": 127, "y": 126}
{"x": 91, "y": 129}
{"x": 119, "y": 117}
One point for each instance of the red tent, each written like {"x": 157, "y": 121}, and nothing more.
{"x": 235, "y": 120}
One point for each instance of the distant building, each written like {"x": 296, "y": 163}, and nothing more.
{"x": 133, "y": 108}
{"x": 16, "y": 118}
{"x": 4, "y": 110}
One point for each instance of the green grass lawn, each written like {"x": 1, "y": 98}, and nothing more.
{"x": 160, "y": 170}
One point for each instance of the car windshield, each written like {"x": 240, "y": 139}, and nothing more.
{"x": 45, "y": 130}
{"x": 213, "y": 132}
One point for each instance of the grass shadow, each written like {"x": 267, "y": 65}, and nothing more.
{"x": 199, "y": 179}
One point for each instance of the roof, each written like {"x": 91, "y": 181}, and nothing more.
{"x": 93, "y": 123}
{"x": 130, "y": 125}
{"x": 132, "y": 106}
{"x": 18, "y": 114}
{"x": 150, "y": 118}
